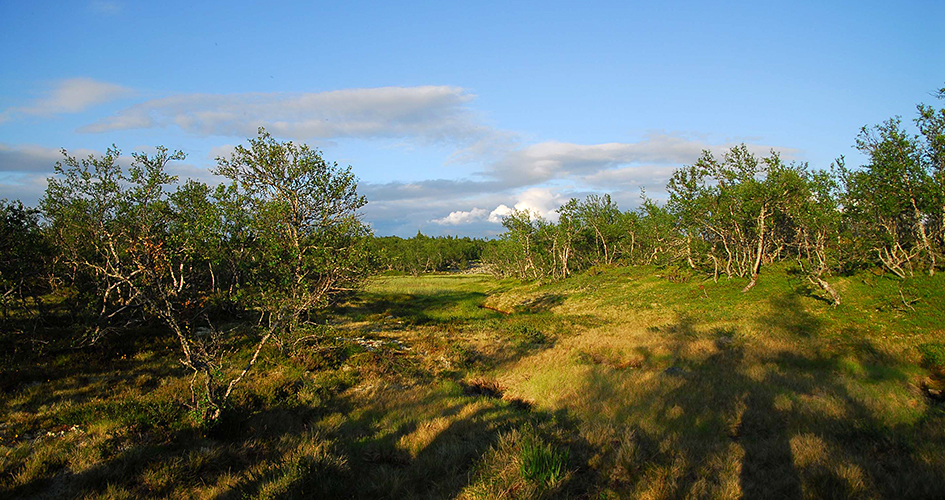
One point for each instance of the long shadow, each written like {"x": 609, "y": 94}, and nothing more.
{"x": 414, "y": 309}
{"x": 756, "y": 401}
{"x": 541, "y": 303}
{"x": 790, "y": 317}
{"x": 378, "y": 465}
{"x": 249, "y": 437}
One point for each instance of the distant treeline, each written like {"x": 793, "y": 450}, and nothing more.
{"x": 732, "y": 215}
{"x": 424, "y": 254}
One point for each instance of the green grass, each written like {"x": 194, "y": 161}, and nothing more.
{"x": 616, "y": 383}
{"x": 543, "y": 463}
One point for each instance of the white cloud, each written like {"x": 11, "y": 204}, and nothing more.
{"x": 541, "y": 202}
{"x": 513, "y": 175}
{"x": 432, "y": 114}
{"x": 462, "y": 217}
{"x": 72, "y": 96}
{"x": 499, "y": 213}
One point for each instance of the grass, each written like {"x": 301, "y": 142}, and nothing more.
{"x": 542, "y": 463}
{"x": 617, "y": 383}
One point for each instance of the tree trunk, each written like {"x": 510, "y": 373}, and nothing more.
{"x": 817, "y": 280}
{"x": 761, "y": 245}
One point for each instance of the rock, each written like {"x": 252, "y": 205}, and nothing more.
{"x": 934, "y": 389}
{"x": 675, "y": 371}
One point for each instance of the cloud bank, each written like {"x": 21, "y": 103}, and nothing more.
{"x": 541, "y": 177}
{"x": 505, "y": 172}
{"x": 73, "y": 95}
{"x": 433, "y": 114}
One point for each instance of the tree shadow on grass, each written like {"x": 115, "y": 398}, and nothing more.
{"x": 420, "y": 447}
{"x": 287, "y": 451}
{"x": 414, "y": 308}
{"x": 387, "y": 442}
{"x": 790, "y": 318}
{"x": 777, "y": 423}
{"x": 542, "y": 303}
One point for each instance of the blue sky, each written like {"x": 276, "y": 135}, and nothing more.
{"x": 452, "y": 113}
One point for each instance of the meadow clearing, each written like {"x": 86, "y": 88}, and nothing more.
{"x": 632, "y": 382}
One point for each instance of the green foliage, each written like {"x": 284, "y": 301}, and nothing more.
{"x": 662, "y": 385}
{"x": 25, "y": 258}
{"x": 895, "y": 202}
{"x": 588, "y": 233}
{"x": 140, "y": 414}
{"x": 309, "y": 240}
{"x": 732, "y": 215}
{"x": 526, "y": 335}
{"x": 284, "y": 238}
{"x": 933, "y": 355}
{"x": 424, "y": 254}
{"x": 542, "y": 463}
{"x": 676, "y": 274}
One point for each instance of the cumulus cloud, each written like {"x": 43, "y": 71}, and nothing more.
{"x": 435, "y": 114}
{"x": 460, "y": 217}
{"x": 502, "y": 211}
{"x": 542, "y": 202}
{"x": 72, "y": 96}
{"x": 511, "y": 174}
{"x": 539, "y": 201}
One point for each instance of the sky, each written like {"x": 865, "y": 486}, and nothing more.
{"x": 452, "y": 114}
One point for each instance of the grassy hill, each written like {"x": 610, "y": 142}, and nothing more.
{"x": 620, "y": 382}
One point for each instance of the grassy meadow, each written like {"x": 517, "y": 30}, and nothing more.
{"x": 633, "y": 382}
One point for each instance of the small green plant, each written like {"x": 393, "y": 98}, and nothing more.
{"x": 933, "y": 356}
{"x": 676, "y": 274}
{"x": 542, "y": 463}
{"x": 527, "y": 335}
